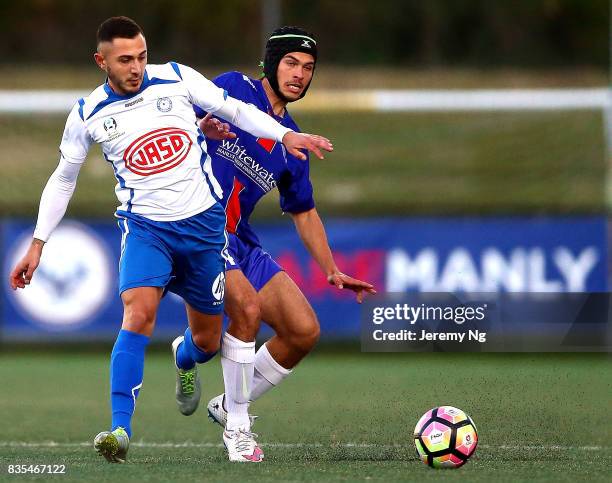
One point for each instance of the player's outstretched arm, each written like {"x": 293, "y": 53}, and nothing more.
{"x": 213, "y": 128}
{"x": 258, "y": 123}
{"x": 210, "y": 98}
{"x": 312, "y": 232}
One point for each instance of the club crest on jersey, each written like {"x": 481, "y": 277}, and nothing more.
{"x": 157, "y": 151}
{"x": 110, "y": 125}
{"x": 164, "y": 104}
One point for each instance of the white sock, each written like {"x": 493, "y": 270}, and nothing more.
{"x": 237, "y": 360}
{"x": 268, "y": 373}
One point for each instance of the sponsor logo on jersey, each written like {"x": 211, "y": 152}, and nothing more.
{"x": 157, "y": 151}
{"x": 164, "y": 104}
{"x": 233, "y": 151}
{"x": 134, "y": 102}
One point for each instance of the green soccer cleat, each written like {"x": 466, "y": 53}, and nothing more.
{"x": 113, "y": 445}
{"x": 188, "y": 390}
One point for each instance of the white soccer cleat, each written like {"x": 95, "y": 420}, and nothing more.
{"x": 218, "y": 414}
{"x": 188, "y": 390}
{"x": 216, "y": 411}
{"x": 113, "y": 445}
{"x": 242, "y": 447}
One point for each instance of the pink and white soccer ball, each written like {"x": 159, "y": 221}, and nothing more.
{"x": 445, "y": 437}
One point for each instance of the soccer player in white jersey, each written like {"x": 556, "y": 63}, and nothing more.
{"x": 172, "y": 225}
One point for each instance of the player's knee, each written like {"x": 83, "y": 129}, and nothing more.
{"x": 138, "y": 319}
{"x": 304, "y": 339}
{"x": 313, "y": 336}
{"x": 246, "y": 319}
{"x": 251, "y": 315}
{"x": 207, "y": 341}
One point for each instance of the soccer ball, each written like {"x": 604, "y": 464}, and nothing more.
{"x": 445, "y": 437}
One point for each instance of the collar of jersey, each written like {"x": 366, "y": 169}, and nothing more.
{"x": 146, "y": 82}
{"x": 113, "y": 96}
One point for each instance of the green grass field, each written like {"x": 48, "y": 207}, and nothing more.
{"x": 411, "y": 164}
{"x": 341, "y": 416}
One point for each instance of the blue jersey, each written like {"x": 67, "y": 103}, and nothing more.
{"x": 248, "y": 167}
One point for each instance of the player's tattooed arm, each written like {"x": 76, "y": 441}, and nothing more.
{"x": 312, "y": 232}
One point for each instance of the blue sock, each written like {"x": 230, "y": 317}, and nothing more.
{"x": 126, "y": 371}
{"x": 188, "y": 353}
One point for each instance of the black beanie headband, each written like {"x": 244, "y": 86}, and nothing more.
{"x": 281, "y": 42}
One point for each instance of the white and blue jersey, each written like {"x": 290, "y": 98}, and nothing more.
{"x": 172, "y": 225}
{"x": 150, "y": 138}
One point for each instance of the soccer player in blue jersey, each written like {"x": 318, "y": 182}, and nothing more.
{"x": 248, "y": 167}
{"x": 172, "y": 224}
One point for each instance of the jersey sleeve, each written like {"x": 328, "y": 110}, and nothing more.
{"x": 210, "y": 98}
{"x": 224, "y": 81}
{"x": 55, "y": 198}
{"x": 76, "y": 139}
{"x": 295, "y": 188}
{"x": 202, "y": 92}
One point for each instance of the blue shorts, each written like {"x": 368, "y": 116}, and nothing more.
{"x": 257, "y": 265}
{"x": 184, "y": 256}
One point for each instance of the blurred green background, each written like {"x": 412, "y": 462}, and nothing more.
{"x": 549, "y": 162}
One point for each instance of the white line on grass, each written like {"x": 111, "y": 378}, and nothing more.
{"x": 190, "y": 444}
